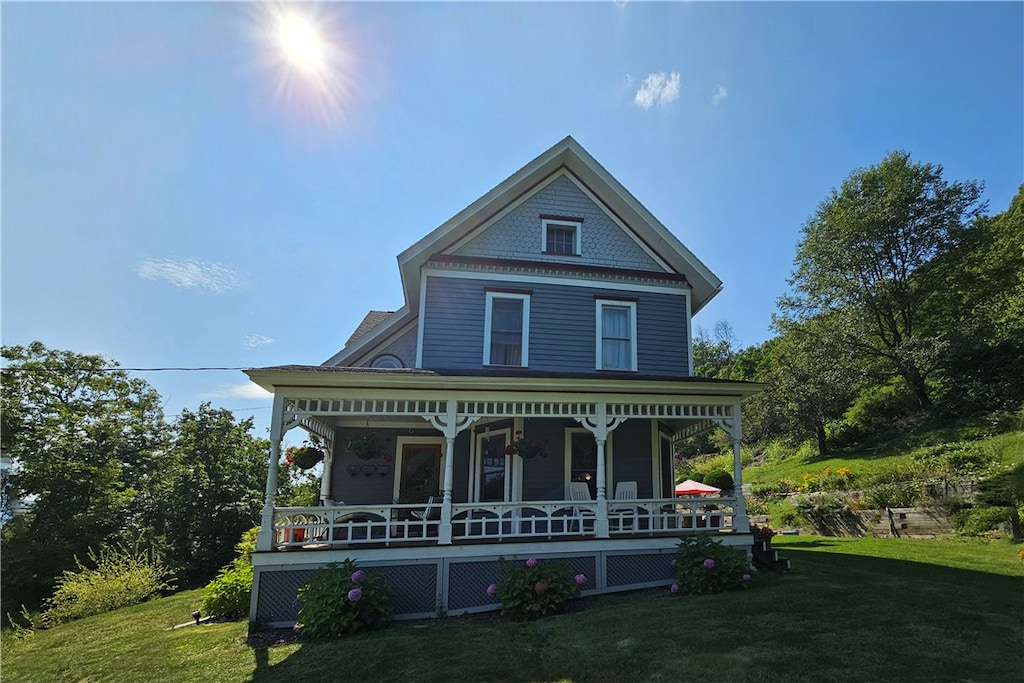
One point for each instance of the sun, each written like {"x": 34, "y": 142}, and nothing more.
{"x": 302, "y": 43}
{"x": 305, "y": 51}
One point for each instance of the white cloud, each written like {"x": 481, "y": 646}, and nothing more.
{"x": 660, "y": 88}
{"x": 720, "y": 95}
{"x": 190, "y": 273}
{"x": 247, "y": 391}
{"x": 254, "y": 341}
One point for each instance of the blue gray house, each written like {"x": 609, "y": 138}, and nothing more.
{"x": 522, "y": 402}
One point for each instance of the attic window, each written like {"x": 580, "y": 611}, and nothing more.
{"x": 561, "y": 237}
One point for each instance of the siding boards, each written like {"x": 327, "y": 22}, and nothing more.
{"x": 562, "y": 326}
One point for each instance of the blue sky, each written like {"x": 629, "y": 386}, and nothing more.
{"x": 175, "y": 194}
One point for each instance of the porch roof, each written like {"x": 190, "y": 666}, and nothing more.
{"x": 494, "y": 379}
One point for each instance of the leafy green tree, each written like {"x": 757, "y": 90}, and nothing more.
{"x": 859, "y": 256}
{"x": 1005, "y": 489}
{"x": 808, "y": 384}
{"x": 982, "y": 313}
{"x": 215, "y": 492}
{"x": 86, "y": 440}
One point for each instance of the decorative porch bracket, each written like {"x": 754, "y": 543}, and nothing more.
{"x": 600, "y": 426}
{"x": 449, "y": 424}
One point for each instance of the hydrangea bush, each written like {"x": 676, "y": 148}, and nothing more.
{"x": 534, "y": 589}
{"x": 342, "y": 599}
{"x": 703, "y": 565}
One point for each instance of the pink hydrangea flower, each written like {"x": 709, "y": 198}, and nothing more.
{"x": 709, "y": 563}
{"x": 674, "y": 588}
{"x": 355, "y": 595}
{"x": 357, "y": 576}
{"x": 581, "y": 579}
{"x": 540, "y": 588}
{"x": 746, "y": 577}
{"x": 492, "y": 589}
{"x": 532, "y": 562}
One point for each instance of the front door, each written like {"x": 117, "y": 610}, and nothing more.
{"x": 420, "y": 473}
{"x": 494, "y": 471}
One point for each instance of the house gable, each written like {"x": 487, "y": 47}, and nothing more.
{"x": 518, "y": 233}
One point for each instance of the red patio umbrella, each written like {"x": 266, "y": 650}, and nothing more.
{"x": 694, "y": 488}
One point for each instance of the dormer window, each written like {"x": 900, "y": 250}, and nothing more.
{"x": 561, "y": 236}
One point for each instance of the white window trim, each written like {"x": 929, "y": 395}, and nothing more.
{"x": 577, "y": 230}
{"x": 599, "y": 347}
{"x": 401, "y": 442}
{"x": 525, "y": 298}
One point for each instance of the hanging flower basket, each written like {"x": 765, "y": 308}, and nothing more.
{"x": 364, "y": 447}
{"x": 525, "y": 449}
{"x": 304, "y": 457}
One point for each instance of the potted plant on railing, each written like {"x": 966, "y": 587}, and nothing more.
{"x": 525, "y": 449}
{"x": 304, "y": 457}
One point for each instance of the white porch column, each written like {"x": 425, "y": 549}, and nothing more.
{"x": 741, "y": 522}
{"x": 601, "y": 524}
{"x": 449, "y": 424}
{"x": 265, "y": 537}
{"x": 325, "y": 478}
{"x": 600, "y": 426}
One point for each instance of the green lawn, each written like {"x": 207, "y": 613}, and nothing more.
{"x": 871, "y": 464}
{"x": 851, "y": 610}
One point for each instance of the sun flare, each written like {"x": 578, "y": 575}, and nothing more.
{"x": 302, "y": 43}
{"x": 306, "y": 53}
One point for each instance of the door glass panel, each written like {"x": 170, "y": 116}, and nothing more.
{"x": 421, "y": 469}
{"x": 493, "y": 463}
{"x": 583, "y": 466}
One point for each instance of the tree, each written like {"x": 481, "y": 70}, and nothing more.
{"x": 86, "y": 439}
{"x": 808, "y": 385}
{"x": 218, "y": 475}
{"x": 982, "y": 313}
{"x": 1005, "y": 489}
{"x": 859, "y": 256}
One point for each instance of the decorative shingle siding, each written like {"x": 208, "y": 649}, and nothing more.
{"x": 562, "y": 326}
{"x": 517, "y": 235}
{"x": 404, "y": 347}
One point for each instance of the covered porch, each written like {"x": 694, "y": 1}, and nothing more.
{"x": 602, "y": 466}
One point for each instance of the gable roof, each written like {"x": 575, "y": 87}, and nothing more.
{"x": 570, "y": 157}
{"x": 372, "y": 319}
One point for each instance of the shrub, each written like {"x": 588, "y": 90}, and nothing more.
{"x": 720, "y": 479}
{"x": 830, "y": 515}
{"x": 227, "y": 596}
{"x": 705, "y": 566}
{"x": 979, "y": 520}
{"x": 342, "y": 599}
{"x": 534, "y": 589}
{"x": 121, "y": 577}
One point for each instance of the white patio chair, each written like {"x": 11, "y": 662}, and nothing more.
{"x": 624, "y": 515}
{"x": 580, "y": 491}
{"x": 430, "y": 516}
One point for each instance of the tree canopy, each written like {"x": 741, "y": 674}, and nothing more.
{"x": 860, "y": 254}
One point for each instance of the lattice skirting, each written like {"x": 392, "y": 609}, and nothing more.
{"x": 432, "y": 586}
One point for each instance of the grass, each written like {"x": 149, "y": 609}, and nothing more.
{"x": 880, "y": 462}
{"x": 852, "y": 609}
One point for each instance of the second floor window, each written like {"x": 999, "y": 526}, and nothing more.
{"x": 506, "y": 326}
{"x": 616, "y": 335}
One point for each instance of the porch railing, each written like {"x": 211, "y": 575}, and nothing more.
{"x": 387, "y": 525}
